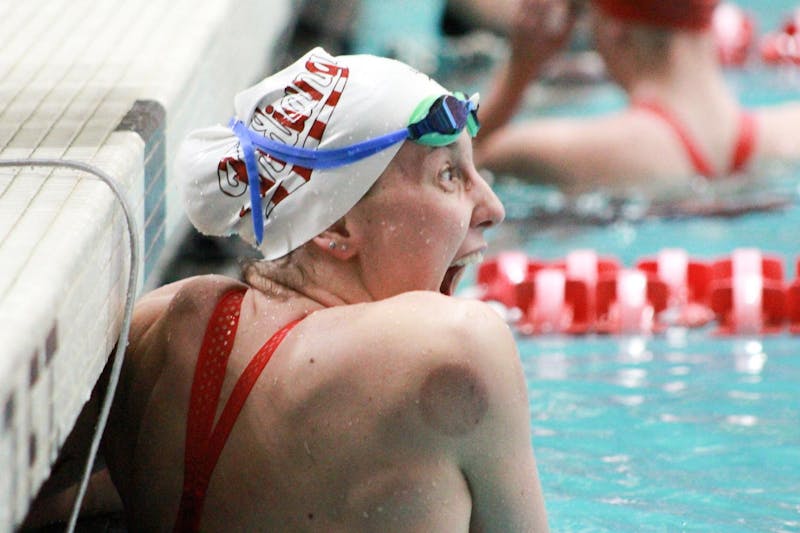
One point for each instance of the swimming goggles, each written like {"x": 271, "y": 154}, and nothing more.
{"x": 436, "y": 121}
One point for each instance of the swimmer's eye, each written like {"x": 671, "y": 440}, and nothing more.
{"x": 449, "y": 175}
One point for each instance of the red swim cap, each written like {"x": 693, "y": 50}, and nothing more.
{"x": 673, "y": 14}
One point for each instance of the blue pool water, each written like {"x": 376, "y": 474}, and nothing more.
{"x": 672, "y": 434}
{"x": 686, "y": 431}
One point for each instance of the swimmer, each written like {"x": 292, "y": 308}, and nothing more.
{"x": 340, "y": 387}
{"x": 682, "y": 120}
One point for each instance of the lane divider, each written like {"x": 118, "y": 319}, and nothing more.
{"x": 742, "y": 293}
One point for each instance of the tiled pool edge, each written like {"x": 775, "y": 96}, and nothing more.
{"x": 61, "y": 303}
{"x": 72, "y": 295}
{"x": 147, "y": 118}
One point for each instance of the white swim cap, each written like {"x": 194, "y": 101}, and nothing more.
{"x": 319, "y": 102}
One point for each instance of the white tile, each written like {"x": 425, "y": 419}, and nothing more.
{"x": 23, "y": 188}
{"x": 81, "y": 71}
{"x": 60, "y": 136}
{"x": 8, "y": 92}
{"x": 27, "y": 136}
{"x": 6, "y": 457}
{"x": 44, "y": 151}
{"x": 14, "y": 152}
{"x": 7, "y": 132}
{"x": 69, "y": 71}
{"x": 80, "y": 153}
{"x": 20, "y": 431}
{"x": 54, "y": 192}
{"x": 7, "y": 221}
{"x": 14, "y": 255}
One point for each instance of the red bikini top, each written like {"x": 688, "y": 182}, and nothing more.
{"x": 203, "y": 443}
{"x": 743, "y": 150}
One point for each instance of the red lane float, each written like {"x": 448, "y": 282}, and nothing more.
{"x": 793, "y": 303}
{"x": 628, "y": 303}
{"x": 587, "y": 267}
{"x": 583, "y": 293}
{"x": 687, "y": 281}
{"x": 747, "y": 292}
{"x": 554, "y": 297}
{"x": 499, "y": 276}
{"x": 553, "y": 303}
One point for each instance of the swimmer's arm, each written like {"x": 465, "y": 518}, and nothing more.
{"x": 497, "y": 459}
{"x": 155, "y": 310}
{"x": 48, "y": 509}
{"x": 538, "y": 31}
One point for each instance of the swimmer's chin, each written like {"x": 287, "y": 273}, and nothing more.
{"x": 456, "y": 271}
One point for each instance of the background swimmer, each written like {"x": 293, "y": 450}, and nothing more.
{"x": 682, "y": 119}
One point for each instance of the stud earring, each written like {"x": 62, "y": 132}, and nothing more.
{"x": 332, "y": 245}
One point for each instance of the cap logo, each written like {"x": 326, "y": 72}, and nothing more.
{"x": 299, "y": 119}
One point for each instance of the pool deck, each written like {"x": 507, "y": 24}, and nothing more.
{"x": 114, "y": 85}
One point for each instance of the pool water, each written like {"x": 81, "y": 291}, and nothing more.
{"x": 679, "y": 433}
{"x": 683, "y": 431}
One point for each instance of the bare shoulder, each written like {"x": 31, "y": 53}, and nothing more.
{"x": 183, "y": 301}
{"x": 455, "y": 357}
{"x": 444, "y": 376}
{"x": 433, "y": 323}
{"x": 170, "y": 316}
{"x": 463, "y": 397}
{"x": 783, "y": 117}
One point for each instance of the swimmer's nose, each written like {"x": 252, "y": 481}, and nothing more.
{"x": 489, "y": 210}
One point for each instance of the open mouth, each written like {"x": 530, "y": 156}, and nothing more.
{"x": 456, "y": 270}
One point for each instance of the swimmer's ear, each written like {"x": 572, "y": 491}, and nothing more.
{"x": 337, "y": 241}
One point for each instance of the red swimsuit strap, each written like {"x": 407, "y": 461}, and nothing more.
{"x": 699, "y": 161}
{"x": 204, "y": 444}
{"x": 743, "y": 150}
{"x": 746, "y": 143}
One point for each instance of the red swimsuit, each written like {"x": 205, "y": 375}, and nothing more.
{"x": 203, "y": 443}
{"x": 743, "y": 151}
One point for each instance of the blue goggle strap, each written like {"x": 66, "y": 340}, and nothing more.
{"x": 311, "y": 158}
{"x": 303, "y": 157}
{"x": 253, "y": 181}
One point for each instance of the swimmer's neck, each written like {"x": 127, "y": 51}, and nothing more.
{"x": 277, "y": 287}
{"x": 326, "y": 283}
{"x": 689, "y": 73}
